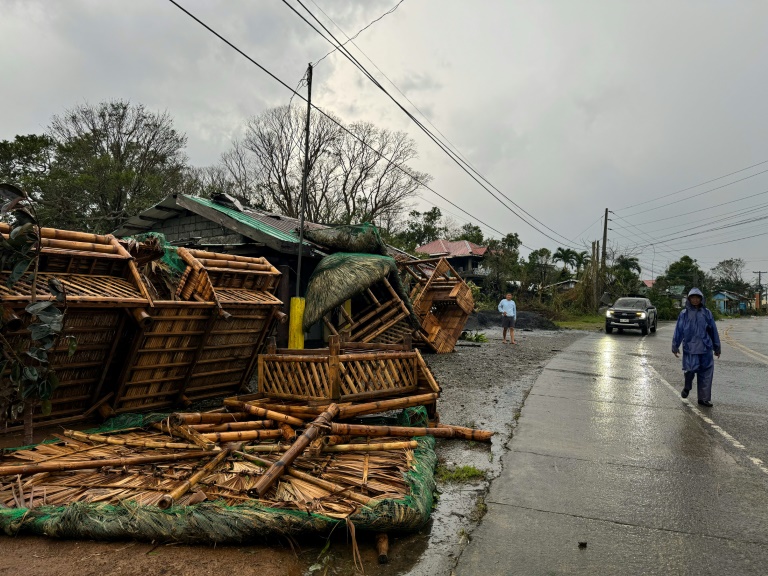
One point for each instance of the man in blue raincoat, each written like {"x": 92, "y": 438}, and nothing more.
{"x": 697, "y": 332}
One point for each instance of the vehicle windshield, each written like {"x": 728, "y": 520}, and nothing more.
{"x": 632, "y": 303}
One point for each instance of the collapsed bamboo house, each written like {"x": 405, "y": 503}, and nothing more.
{"x": 148, "y": 335}
{"x": 441, "y": 299}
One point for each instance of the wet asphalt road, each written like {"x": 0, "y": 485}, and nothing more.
{"x": 607, "y": 454}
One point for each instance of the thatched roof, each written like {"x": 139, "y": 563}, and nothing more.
{"x": 363, "y": 237}
{"x": 341, "y": 276}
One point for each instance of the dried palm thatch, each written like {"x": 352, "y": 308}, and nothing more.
{"x": 341, "y": 276}
{"x": 363, "y": 237}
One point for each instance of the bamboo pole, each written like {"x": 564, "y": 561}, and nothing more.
{"x": 467, "y": 433}
{"x": 263, "y": 412}
{"x": 333, "y": 439}
{"x": 208, "y": 417}
{"x": 243, "y": 435}
{"x": 407, "y": 431}
{"x": 382, "y": 547}
{"x": 193, "y": 436}
{"x": 385, "y": 405}
{"x": 26, "y": 470}
{"x": 324, "y": 484}
{"x": 278, "y": 468}
{"x": 342, "y": 448}
{"x": 168, "y": 499}
{"x": 233, "y": 426}
{"x": 100, "y": 438}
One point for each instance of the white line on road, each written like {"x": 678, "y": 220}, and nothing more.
{"x": 731, "y": 440}
{"x": 748, "y": 351}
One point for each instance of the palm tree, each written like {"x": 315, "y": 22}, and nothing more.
{"x": 581, "y": 261}
{"x": 566, "y": 256}
{"x": 628, "y": 263}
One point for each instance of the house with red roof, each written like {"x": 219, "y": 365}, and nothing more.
{"x": 466, "y": 257}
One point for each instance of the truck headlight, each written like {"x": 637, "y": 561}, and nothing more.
{"x": 609, "y": 313}
{"x": 642, "y": 315}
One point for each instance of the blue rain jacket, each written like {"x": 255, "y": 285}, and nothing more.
{"x": 697, "y": 332}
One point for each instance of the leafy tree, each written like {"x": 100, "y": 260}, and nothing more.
{"x": 471, "y": 233}
{"x": 728, "y": 275}
{"x": 502, "y": 259}
{"x": 684, "y": 272}
{"x": 420, "y": 228}
{"x": 624, "y": 276}
{"x": 26, "y": 160}
{"x": 110, "y": 161}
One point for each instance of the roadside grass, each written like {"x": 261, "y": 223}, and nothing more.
{"x": 586, "y": 322}
{"x": 459, "y": 474}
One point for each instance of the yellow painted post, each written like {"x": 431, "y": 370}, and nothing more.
{"x": 295, "y": 329}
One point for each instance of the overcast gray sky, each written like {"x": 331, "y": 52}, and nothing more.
{"x": 568, "y": 107}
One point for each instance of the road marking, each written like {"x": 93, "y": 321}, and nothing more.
{"x": 731, "y": 440}
{"x": 748, "y": 351}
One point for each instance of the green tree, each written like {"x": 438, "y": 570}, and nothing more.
{"x": 111, "y": 161}
{"x": 624, "y": 276}
{"x": 502, "y": 260}
{"x": 471, "y": 233}
{"x": 420, "y": 228}
{"x": 565, "y": 255}
{"x": 684, "y": 272}
{"x": 581, "y": 260}
{"x": 26, "y": 160}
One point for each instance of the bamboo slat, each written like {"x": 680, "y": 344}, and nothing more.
{"x": 167, "y": 500}
{"x": 26, "y": 470}
{"x": 263, "y": 413}
{"x": 407, "y": 431}
{"x": 82, "y": 436}
{"x": 312, "y": 431}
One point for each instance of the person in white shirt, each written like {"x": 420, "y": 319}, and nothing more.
{"x": 508, "y": 316}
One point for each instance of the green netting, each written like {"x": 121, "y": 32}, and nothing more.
{"x": 363, "y": 237}
{"x": 217, "y": 523}
{"x": 171, "y": 258}
{"x": 342, "y": 275}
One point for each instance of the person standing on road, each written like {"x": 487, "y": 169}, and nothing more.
{"x": 697, "y": 332}
{"x": 508, "y": 316}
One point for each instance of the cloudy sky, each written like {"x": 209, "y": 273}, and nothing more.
{"x": 567, "y": 107}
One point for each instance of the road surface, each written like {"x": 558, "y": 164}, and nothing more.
{"x": 611, "y": 472}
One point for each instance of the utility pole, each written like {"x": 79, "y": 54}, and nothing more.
{"x": 759, "y": 287}
{"x": 296, "y": 319}
{"x": 605, "y": 254}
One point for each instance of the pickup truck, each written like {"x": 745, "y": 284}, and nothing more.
{"x": 636, "y": 313}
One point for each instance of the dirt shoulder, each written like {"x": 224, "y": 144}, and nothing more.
{"x": 483, "y": 385}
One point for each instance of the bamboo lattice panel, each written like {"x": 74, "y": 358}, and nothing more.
{"x": 79, "y": 288}
{"x": 80, "y": 374}
{"x": 300, "y": 375}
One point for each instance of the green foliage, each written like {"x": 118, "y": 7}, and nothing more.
{"x": 684, "y": 272}
{"x": 471, "y": 233}
{"x": 459, "y": 474}
{"x": 474, "y": 336}
{"x": 728, "y": 275}
{"x": 502, "y": 259}
{"x": 30, "y": 378}
{"x": 420, "y": 228}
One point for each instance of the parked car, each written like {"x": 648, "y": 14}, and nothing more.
{"x": 635, "y": 313}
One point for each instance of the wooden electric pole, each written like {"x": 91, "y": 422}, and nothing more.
{"x": 759, "y": 287}
{"x": 296, "y": 318}
{"x": 603, "y": 267}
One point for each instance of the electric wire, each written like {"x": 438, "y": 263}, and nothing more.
{"x": 314, "y": 107}
{"x": 692, "y": 187}
{"x": 452, "y": 155}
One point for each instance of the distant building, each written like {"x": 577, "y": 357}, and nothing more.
{"x": 466, "y": 257}
{"x": 728, "y": 302}
{"x": 562, "y": 286}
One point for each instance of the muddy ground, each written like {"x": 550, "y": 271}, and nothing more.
{"x": 483, "y": 386}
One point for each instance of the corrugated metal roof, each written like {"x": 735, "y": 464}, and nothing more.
{"x": 452, "y": 248}
{"x": 248, "y": 219}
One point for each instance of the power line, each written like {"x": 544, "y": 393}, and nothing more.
{"x": 465, "y": 166}
{"x": 371, "y": 23}
{"x": 695, "y": 195}
{"x": 692, "y": 187}
{"x": 314, "y": 107}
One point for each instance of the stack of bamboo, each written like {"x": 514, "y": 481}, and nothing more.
{"x": 291, "y": 456}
